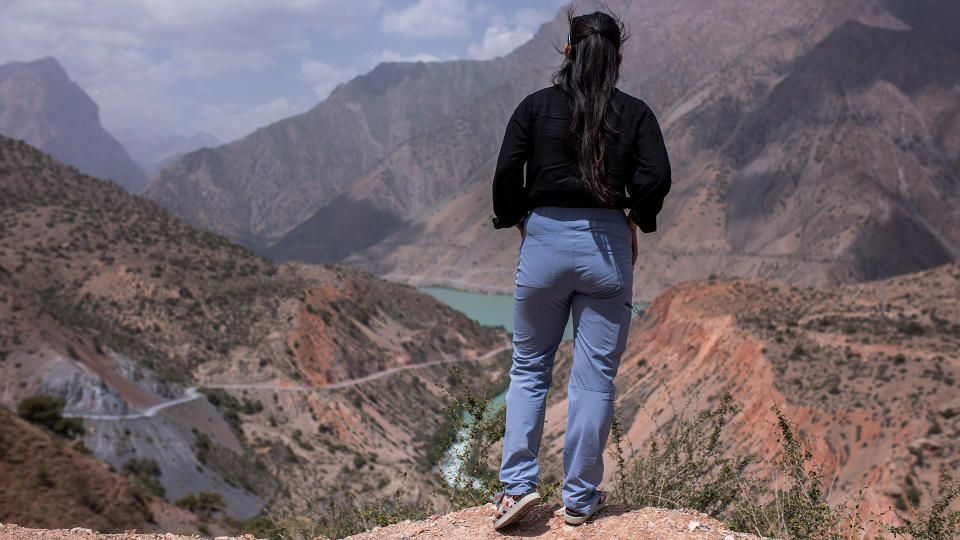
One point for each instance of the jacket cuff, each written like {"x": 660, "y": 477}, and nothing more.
{"x": 646, "y": 222}
{"x": 499, "y": 223}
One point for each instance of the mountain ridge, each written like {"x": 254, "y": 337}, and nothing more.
{"x": 40, "y": 104}
{"x": 112, "y": 303}
{"x": 720, "y": 97}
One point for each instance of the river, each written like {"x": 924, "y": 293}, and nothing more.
{"x": 488, "y": 309}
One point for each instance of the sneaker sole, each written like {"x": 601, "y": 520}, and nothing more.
{"x": 522, "y": 508}
{"x": 577, "y": 520}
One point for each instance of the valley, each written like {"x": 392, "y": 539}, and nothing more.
{"x": 281, "y": 320}
{"x": 312, "y": 375}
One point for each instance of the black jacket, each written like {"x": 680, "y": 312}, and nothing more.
{"x": 636, "y": 160}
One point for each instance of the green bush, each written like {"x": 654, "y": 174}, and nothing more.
{"x": 338, "y": 515}
{"x": 147, "y": 472}
{"x": 938, "y": 523}
{"x": 480, "y": 423}
{"x": 47, "y": 411}
{"x": 685, "y": 466}
{"x": 204, "y": 502}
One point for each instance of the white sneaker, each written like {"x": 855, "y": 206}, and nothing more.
{"x": 575, "y": 518}
{"x": 510, "y": 508}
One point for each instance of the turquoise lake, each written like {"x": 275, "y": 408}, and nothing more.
{"x": 489, "y": 309}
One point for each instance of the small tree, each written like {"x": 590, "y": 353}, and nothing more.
{"x": 47, "y": 411}
{"x": 203, "y": 502}
{"x": 146, "y": 471}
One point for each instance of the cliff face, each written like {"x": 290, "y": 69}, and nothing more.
{"x": 41, "y": 105}
{"x": 870, "y": 371}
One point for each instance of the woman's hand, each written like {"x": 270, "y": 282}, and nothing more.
{"x": 521, "y": 231}
{"x": 633, "y": 241}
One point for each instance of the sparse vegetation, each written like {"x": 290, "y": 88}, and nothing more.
{"x": 939, "y": 522}
{"x": 205, "y": 503}
{"x": 147, "y": 472}
{"x": 687, "y": 465}
{"x": 337, "y": 515}
{"x": 47, "y": 411}
{"x": 481, "y": 423}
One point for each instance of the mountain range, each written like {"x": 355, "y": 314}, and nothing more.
{"x": 815, "y": 151}
{"x": 303, "y": 377}
{"x": 817, "y": 143}
{"x": 42, "y": 106}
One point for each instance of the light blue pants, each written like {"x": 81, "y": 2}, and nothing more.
{"x": 570, "y": 259}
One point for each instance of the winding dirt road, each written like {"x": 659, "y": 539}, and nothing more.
{"x": 193, "y": 392}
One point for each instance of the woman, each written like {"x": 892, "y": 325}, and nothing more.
{"x": 590, "y": 151}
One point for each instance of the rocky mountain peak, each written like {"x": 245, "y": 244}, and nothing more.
{"x": 40, "y": 104}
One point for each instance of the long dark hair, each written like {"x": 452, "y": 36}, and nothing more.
{"x": 588, "y": 76}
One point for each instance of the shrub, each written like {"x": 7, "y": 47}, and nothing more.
{"x": 939, "y": 523}
{"x": 479, "y": 424}
{"x": 340, "y": 515}
{"x": 801, "y": 510}
{"x": 205, "y": 503}
{"x": 46, "y": 411}
{"x": 685, "y": 466}
{"x": 147, "y": 472}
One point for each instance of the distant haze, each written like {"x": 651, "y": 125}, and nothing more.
{"x": 41, "y": 105}
{"x": 227, "y": 68}
{"x": 151, "y": 153}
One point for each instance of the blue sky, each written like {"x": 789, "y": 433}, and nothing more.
{"x": 227, "y": 67}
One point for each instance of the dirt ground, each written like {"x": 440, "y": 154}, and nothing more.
{"x": 616, "y": 521}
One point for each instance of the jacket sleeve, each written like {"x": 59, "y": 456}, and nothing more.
{"x": 509, "y": 193}
{"x": 651, "y": 181}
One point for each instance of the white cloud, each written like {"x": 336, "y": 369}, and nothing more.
{"x": 178, "y": 66}
{"x": 498, "y": 41}
{"x": 243, "y": 119}
{"x": 531, "y": 18}
{"x": 428, "y": 18}
{"x": 503, "y": 35}
{"x": 325, "y": 76}
{"x": 135, "y": 57}
{"x": 391, "y": 56}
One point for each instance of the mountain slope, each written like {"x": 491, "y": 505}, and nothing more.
{"x": 46, "y": 483}
{"x": 869, "y": 370}
{"x": 812, "y": 142}
{"x": 822, "y": 154}
{"x": 110, "y": 302}
{"x": 41, "y": 105}
{"x": 259, "y": 187}
{"x": 152, "y": 153}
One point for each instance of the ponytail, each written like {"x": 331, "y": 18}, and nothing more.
{"x": 588, "y": 76}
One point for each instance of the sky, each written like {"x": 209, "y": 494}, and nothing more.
{"x": 226, "y": 67}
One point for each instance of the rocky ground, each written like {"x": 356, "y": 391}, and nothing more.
{"x": 616, "y": 521}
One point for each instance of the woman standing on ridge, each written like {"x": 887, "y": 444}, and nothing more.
{"x": 590, "y": 151}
